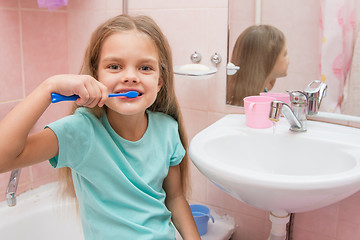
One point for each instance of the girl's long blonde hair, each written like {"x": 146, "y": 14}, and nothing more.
{"x": 165, "y": 102}
{"x": 255, "y": 52}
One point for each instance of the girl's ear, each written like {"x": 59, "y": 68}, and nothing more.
{"x": 160, "y": 84}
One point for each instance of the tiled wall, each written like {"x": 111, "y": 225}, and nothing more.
{"x": 25, "y": 61}
{"x": 37, "y": 44}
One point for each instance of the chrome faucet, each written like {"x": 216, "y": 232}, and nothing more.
{"x": 302, "y": 104}
{"x": 315, "y": 92}
{"x": 295, "y": 115}
{"x": 12, "y": 187}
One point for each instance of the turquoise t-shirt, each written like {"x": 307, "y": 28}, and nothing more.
{"x": 118, "y": 183}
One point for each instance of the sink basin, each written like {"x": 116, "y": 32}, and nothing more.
{"x": 278, "y": 170}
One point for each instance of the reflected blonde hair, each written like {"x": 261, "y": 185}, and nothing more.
{"x": 255, "y": 52}
{"x": 165, "y": 102}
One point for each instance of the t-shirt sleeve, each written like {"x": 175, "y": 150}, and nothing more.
{"x": 179, "y": 151}
{"x": 73, "y": 133}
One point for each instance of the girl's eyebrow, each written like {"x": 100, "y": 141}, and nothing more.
{"x": 111, "y": 59}
{"x": 117, "y": 59}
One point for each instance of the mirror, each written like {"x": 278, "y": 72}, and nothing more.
{"x": 299, "y": 20}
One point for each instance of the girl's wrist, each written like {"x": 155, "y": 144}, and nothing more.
{"x": 47, "y": 87}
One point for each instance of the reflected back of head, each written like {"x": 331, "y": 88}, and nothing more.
{"x": 255, "y": 52}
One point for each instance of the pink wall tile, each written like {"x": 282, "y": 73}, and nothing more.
{"x": 184, "y": 41}
{"x": 45, "y": 46}
{"x": 6, "y": 107}
{"x": 7, "y": 3}
{"x": 214, "y": 116}
{"x": 10, "y": 56}
{"x": 323, "y": 220}
{"x": 241, "y": 19}
{"x": 29, "y": 4}
{"x": 303, "y": 44}
{"x": 142, "y": 4}
{"x": 245, "y": 11}
{"x": 42, "y": 170}
{"x": 217, "y": 87}
{"x": 249, "y": 227}
{"x": 348, "y": 230}
{"x": 296, "y": 10}
{"x": 301, "y": 234}
{"x": 188, "y": 4}
{"x": 114, "y": 5}
{"x": 80, "y": 26}
{"x": 170, "y": 5}
{"x": 53, "y": 113}
{"x": 198, "y": 100}
{"x": 43, "y": 173}
{"x": 349, "y": 209}
{"x": 194, "y": 121}
{"x": 199, "y": 185}
{"x": 95, "y": 5}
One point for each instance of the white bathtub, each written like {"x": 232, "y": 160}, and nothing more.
{"x": 40, "y": 214}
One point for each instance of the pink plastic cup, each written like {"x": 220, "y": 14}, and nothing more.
{"x": 285, "y": 97}
{"x": 257, "y": 109}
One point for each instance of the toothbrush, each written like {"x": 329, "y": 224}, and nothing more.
{"x": 59, "y": 98}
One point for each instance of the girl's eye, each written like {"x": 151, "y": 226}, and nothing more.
{"x": 114, "y": 67}
{"x": 145, "y": 68}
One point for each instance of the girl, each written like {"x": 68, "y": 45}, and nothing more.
{"x": 260, "y": 52}
{"x": 124, "y": 153}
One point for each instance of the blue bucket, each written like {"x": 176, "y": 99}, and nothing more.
{"x": 201, "y": 216}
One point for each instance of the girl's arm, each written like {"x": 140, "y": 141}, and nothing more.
{"x": 179, "y": 207}
{"x": 17, "y": 149}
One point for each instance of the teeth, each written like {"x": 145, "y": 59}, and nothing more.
{"x": 130, "y": 90}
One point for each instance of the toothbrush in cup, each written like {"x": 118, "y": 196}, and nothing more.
{"x": 59, "y": 98}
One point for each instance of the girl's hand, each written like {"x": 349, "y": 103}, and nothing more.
{"x": 90, "y": 91}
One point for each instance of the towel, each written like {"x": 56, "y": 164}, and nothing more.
{"x": 52, "y": 4}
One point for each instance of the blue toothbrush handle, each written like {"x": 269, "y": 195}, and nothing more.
{"x": 59, "y": 98}
{"x": 55, "y": 97}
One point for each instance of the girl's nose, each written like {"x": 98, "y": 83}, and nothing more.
{"x": 131, "y": 80}
{"x": 130, "y": 76}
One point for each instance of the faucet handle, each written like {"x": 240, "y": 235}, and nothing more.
{"x": 315, "y": 91}
{"x": 298, "y": 98}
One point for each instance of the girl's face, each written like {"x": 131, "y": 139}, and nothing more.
{"x": 281, "y": 64}
{"x": 129, "y": 61}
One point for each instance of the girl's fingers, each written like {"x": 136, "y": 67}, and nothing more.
{"x": 100, "y": 94}
{"x": 90, "y": 93}
{"x": 104, "y": 94}
{"x": 95, "y": 95}
{"x": 83, "y": 96}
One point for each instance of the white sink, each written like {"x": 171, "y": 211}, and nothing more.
{"x": 280, "y": 171}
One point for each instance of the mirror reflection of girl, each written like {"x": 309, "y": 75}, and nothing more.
{"x": 260, "y": 52}
{"x": 127, "y": 158}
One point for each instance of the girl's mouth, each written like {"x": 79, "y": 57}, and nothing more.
{"x": 129, "y": 93}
